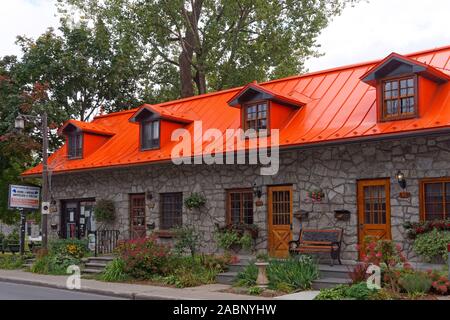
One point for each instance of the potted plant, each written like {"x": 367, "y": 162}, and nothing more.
{"x": 195, "y": 201}
{"x": 316, "y": 195}
{"x": 233, "y": 240}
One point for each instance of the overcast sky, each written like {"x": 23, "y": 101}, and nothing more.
{"x": 368, "y": 31}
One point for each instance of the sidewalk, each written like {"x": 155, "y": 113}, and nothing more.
{"x": 125, "y": 290}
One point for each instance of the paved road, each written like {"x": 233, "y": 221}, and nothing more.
{"x": 15, "y": 291}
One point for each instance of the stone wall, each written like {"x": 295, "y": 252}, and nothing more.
{"x": 334, "y": 169}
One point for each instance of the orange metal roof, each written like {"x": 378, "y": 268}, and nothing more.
{"x": 338, "y": 107}
{"x": 87, "y": 127}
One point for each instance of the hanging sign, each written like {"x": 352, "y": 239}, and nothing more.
{"x": 23, "y": 197}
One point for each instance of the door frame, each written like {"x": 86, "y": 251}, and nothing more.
{"x": 360, "y": 200}
{"x": 62, "y": 215}
{"x": 130, "y": 213}
{"x": 271, "y": 188}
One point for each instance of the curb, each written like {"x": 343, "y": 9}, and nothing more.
{"x": 131, "y": 296}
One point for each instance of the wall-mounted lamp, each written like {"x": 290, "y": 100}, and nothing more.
{"x": 19, "y": 122}
{"x": 401, "y": 179}
{"x": 149, "y": 195}
{"x": 257, "y": 191}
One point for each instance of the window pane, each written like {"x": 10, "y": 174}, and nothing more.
{"x": 410, "y": 82}
{"x": 155, "y": 129}
{"x": 434, "y": 198}
{"x": 171, "y": 210}
{"x": 403, "y": 84}
{"x": 387, "y": 86}
{"x": 240, "y": 209}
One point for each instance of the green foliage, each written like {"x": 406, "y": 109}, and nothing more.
{"x": 105, "y": 211}
{"x": 214, "y": 45}
{"x": 415, "y": 283}
{"x": 114, "y": 271}
{"x": 195, "y": 201}
{"x": 247, "y": 277}
{"x": 227, "y": 239}
{"x": 296, "y": 274}
{"x": 432, "y": 245}
{"x": 358, "y": 291}
{"x": 61, "y": 254}
{"x": 11, "y": 262}
{"x": 284, "y": 275}
{"x": 187, "y": 239}
{"x": 255, "y": 291}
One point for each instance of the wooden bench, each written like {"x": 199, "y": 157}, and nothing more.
{"x": 318, "y": 241}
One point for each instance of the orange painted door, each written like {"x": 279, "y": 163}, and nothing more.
{"x": 374, "y": 210}
{"x": 279, "y": 220}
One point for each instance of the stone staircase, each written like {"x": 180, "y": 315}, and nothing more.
{"x": 96, "y": 265}
{"x": 332, "y": 276}
{"x": 28, "y": 263}
{"x": 230, "y": 275}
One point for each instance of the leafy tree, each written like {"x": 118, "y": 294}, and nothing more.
{"x": 216, "y": 44}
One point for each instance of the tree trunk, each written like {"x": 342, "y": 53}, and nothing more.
{"x": 187, "y": 87}
{"x": 200, "y": 81}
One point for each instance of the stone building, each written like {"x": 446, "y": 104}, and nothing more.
{"x": 364, "y": 148}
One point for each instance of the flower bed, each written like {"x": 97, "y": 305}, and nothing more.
{"x": 147, "y": 260}
{"x": 398, "y": 279}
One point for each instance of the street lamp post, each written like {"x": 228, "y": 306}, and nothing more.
{"x": 20, "y": 124}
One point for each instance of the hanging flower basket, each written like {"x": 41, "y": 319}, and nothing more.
{"x": 316, "y": 195}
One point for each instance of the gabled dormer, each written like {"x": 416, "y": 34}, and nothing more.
{"x": 156, "y": 126}
{"x": 404, "y": 86}
{"x": 83, "y": 138}
{"x": 263, "y": 109}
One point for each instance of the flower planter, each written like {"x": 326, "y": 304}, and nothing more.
{"x": 301, "y": 215}
{"x": 342, "y": 215}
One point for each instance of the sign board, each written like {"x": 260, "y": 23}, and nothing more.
{"x": 23, "y": 197}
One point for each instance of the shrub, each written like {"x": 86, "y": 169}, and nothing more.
{"x": 389, "y": 257}
{"x": 440, "y": 283}
{"x": 195, "y": 201}
{"x": 359, "y": 273}
{"x": 115, "y": 271}
{"x": 187, "y": 238}
{"x": 298, "y": 274}
{"x": 145, "y": 257}
{"x": 247, "y": 277}
{"x": 255, "y": 291}
{"x": 11, "y": 262}
{"x": 432, "y": 245}
{"x": 284, "y": 275}
{"x": 358, "y": 291}
{"x": 61, "y": 254}
{"x": 415, "y": 283}
{"x": 105, "y": 211}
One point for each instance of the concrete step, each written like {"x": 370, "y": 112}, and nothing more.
{"x": 92, "y": 271}
{"x": 93, "y": 265}
{"x": 337, "y": 271}
{"x": 237, "y": 267}
{"x": 226, "y": 277}
{"x": 326, "y": 283}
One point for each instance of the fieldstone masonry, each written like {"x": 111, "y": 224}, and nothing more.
{"x": 334, "y": 169}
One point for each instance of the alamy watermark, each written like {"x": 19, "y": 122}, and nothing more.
{"x": 73, "y": 282}
{"x": 235, "y": 147}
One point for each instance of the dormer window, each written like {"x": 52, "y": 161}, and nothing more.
{"x": 75, "y": 143}
{"x": 150, "y": 135}
{"x": 399, "y": 98}
{"x": 256, "y": 116}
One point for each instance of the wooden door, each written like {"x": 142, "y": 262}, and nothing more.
{"x": 70, "y": 224}
{"x": 374, "y": 210}
{"x": 279, "y": 220}
{"x": 137, "y": 216}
